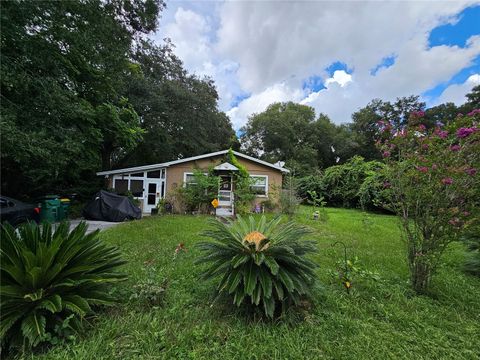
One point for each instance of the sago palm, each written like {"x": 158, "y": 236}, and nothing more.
{"x": 47, "y": 276}
{"x": 262, "y": 262}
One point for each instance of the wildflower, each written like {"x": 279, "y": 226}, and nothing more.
{"x": 455, "y": 147}
{"x": 425, "y": 146}
{"x": 386, "y": 154}
{"x": 447, "y": 181}
{"x": 442, "y": 134}
{"x": 422, "y": 169}
{"x": 464, "y": 132}
{"x": 466, "y": 213}
{"x": 454, "y": 222}
{"x": 471, "y": 171}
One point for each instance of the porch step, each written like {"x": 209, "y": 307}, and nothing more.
{"x": 223, "y": 211}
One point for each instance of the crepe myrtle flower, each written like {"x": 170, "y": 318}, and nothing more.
{"x": 434, "y": 167}
{"x": 422, "y": 127}
{"x": 465, "y": 132}
{"x": 422, "y": 169}
{"x": 442, "y": 134}
{"x": 447, "y": 181}
{"x": 386, "y": 154}
{"x": 474, "y": 112}
{"x": 471, "y": 171}
{"x": 455, "y": 147}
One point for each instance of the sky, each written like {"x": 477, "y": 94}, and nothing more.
{"x": 331, "y": 55}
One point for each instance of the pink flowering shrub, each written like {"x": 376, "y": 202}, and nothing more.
{"x": 434, "y": 180}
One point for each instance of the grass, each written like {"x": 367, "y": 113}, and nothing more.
{"x": 379, "y": 320}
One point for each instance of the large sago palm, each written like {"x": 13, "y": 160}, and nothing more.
{"x": 262, "y": 262}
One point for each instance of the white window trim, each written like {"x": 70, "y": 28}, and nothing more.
{"x": 266, "y": 184}
{"x": 129, "y": 178}
{"x": 185, "y": 177}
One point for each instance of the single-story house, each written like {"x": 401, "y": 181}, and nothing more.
{"x": 150, "y": 183}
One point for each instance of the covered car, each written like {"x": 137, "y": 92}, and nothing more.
{"x": 107, "y": 206}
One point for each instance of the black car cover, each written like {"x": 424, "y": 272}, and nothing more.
{"x": 111, "y": 207}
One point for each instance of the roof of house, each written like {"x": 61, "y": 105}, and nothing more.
{"x": 193, "y": 158}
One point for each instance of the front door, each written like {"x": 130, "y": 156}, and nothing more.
{"x": 225, "y": 191}
{"x": 153, "y": 193}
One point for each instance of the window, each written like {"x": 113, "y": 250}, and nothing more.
{"x": 121, "y": 186}
{"x": 140, "y": 174}
{"x": 136, "y": 188}
{"x": 260, "y": 184}
{"x": 153, "y": 174}
{"x": 188, "y": 179}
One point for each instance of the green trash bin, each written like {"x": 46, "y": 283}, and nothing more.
{"x": 50, "y": 209}
{"x": 64, "y": 209}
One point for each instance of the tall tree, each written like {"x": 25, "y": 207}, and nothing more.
{"x": 64, "y": 65}
{"x": 283, "y": 132}
{"x": 365, "y": 120}
{"x": 179, "y": 112}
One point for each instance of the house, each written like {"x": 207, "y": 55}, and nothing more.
{"x": 150, "y": 183}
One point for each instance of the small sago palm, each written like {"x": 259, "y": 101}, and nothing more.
{"x": 49, "y": 276}
{"x": 262, "y": 262}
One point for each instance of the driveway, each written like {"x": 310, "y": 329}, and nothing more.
{"x": 94, "y": 224}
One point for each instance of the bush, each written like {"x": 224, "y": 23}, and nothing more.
{"x": 341, "y": 183}
{"x": 435, "y": 187}
{"x": 197, "y": 196}
{"x": 51, "y": 278}
{"x": 374, "y": 192}
{"x": 262, "y": 263}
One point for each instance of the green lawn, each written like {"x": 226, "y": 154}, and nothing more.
{"x": 380, "y": 320}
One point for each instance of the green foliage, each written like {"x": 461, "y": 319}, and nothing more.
{"x": 380, "y": 318}
{"x": 243, "y": 194}
{"x": 149, "y": 292}
{"x": 341, "y": 183}
{"x": 50, "y": 280}
{"x": 472, "y": 241}
{"x": 319, "y": 203}
{"x": 289, "y": 200}
{"x": 374, "y": 192}
{"x": 262, "y": 263}
{"x": 350, "y": 271}
{"x": 197, "y": 196}
{"x": 434, "y": 187}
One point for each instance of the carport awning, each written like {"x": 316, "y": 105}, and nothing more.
{"x": 226, "y": 166}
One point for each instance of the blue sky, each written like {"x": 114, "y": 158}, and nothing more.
{"x": 333, "y": 56}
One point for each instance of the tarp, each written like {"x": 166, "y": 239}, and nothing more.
{"x": 111, "y": 207}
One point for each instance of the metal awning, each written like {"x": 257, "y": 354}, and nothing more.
{"x": 226, "y": 166}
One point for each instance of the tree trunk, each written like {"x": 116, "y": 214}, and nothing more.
{"x": 420, "y": 276}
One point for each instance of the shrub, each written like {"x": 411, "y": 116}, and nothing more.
{"x": 341, "y": 183}
{"x": 51, "y": 278}
{"x": 374, "y": 192}
{"x": 435, "y": 182}
{"x": 309, "y": 183}
{"x": 289, "y": 200}
{"x": 197, "y": 196}
{"x": 262, "y": 263}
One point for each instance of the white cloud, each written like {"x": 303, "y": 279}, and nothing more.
{"x": 268, "y": 49}
{"x": 260, "y": 101}
{"x": 456, "y": 93}
{"x": 340, "y": 77}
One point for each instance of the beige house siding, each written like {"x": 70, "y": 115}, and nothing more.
{"x": 175, "y": 173}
